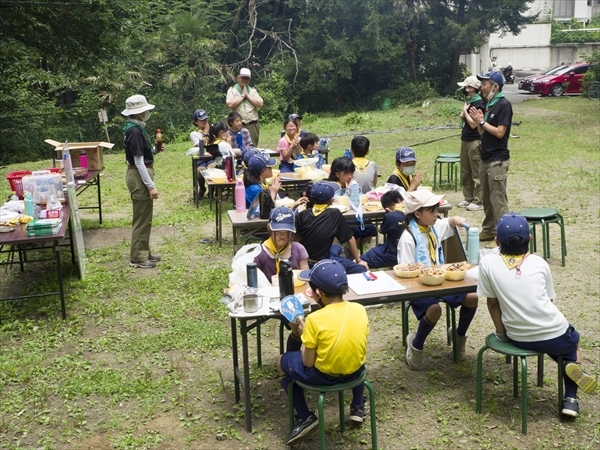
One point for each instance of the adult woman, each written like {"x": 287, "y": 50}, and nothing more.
{"x": 289, "y": 145}
{"x": 140, "y": 180}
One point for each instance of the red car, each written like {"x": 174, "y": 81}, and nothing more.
{"x": 525, "y": 82}
{"x": 564, "y": 81}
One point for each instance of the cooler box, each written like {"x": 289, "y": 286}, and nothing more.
{"x": 42, "y": 184}
{"x": 93, "y": 150}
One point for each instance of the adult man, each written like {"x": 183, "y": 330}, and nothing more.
{"x": 140, "y": 180}
{"x": 245, "y": 100}
{"x": 469, "y": 147}
{"x": 494, "y": 127}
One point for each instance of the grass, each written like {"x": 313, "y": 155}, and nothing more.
{"x": 143, "y": 360}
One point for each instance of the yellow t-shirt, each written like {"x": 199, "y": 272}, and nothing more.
{"x": 345, "y": 320}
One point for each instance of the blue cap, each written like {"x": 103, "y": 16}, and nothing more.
{"x": 259, "y": 162}
{"x": 496, "y": 77}
{"x": 405, "y": 154}
{"x": 247, "y": 154}
{"x": 282, "y": 219}
{"x": 323, "y": 191}
{"x": 510, "y": 225}
{"x": 199, "y": 114}
{"x": 328, "y": 275}
{"x": 294, "y": 116}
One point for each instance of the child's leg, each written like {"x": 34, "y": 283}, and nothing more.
{"x": 287, "y": 364}
{"x": 294, "y": 341}
{"x": 379, "y": 257}
{"x": 427, "y": 321}
{"x": 467, "y": 313}
{"x": 358, "y": 395}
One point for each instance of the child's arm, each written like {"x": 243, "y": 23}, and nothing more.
{"x": 456, "y": 221}
{"x": 309, "y": 356}
{"x": 496, "y": 315}
{"x": 355, "y": 253}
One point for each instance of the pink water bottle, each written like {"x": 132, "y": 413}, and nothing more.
{"x": 240, "y": 196}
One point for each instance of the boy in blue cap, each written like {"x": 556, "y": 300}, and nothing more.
{"x": 404, "y": 175}
{"x": 334, "y": 342}
{"x": 520, "y": 294}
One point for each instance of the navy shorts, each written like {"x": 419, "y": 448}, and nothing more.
{"x": 379, "y": 257}
{"x": 420, "y": 306}
{"x": 292, "y": 365}
{"x": 564, "y": 346}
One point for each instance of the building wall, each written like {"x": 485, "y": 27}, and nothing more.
{"x": 571, "y": 53}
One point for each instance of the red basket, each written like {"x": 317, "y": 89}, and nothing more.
{"x": 16, "y": 185}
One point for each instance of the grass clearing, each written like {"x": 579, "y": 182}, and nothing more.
{"x": 143, "y": 360}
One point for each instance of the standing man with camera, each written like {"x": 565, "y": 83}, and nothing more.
{"x": 245, "y": 100}
{"x": 494, "y": 127}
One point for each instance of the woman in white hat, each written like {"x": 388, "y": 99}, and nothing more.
{"x": 140, "y": 180}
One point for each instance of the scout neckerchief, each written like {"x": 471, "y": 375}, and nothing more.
{"x": 514, "y": 261}
{"x": 131, "y": 123}
{"x": 491, "y": 104}
{"x": 425, "y": 253}
{"x": 470, "y": 101}
{"x": 270, "y": 246}
{"x": 318, "y": 209}
{"x": 239, "y": 89}
{"x": 403, "y": 178}
{"x": 287, "y": 138}
{"x": 361, "y": 164}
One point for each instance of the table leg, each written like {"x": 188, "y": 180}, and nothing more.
{"x": 99, "y": 198}
{"x": 247, "y": 399}
{"x": 60, "y": 280}
{"x": 194, "y": 183}
{"x": 218, "y": 217}
{"x": 235, "y": 359}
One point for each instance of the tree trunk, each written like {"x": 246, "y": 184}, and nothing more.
{"x": 339, "y": 92}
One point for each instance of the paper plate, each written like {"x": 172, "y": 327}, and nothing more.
{"x": 342, "y": 208}
{"x": 291, "y": 308}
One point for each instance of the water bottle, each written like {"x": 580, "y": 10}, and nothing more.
{"x": 82, "y": 159}
{"x": 240, "y": 196}
{"x": 229, "y": 168}
{"x": 286, "y": 278}
{"x": 252, "y": 275}
{"x": 29, "y": 210}
{"x": 473, "y": 246}
{"x": 240, "y": 141}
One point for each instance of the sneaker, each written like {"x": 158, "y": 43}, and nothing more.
{"x": 154, "y": 258}
{"x": 474, "y": 207}
{"x": 486, "y": 236}
{"x": 302, "y": 427}
{"x": 570, "y": 407}
{"x": 584, "y": 380}
{"x": 413, "y": 356}
{"x": 461, "y": 343}
{"x": 143, "y": 265}
{"x": 357, "y": 413}
{"x": 463, "y": 204}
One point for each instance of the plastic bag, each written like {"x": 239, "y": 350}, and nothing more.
{"x": 244, "y": 256}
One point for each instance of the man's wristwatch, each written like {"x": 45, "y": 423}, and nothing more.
{"x": 482, "y": 122}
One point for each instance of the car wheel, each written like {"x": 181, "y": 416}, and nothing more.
{"x": 557, "y": 90}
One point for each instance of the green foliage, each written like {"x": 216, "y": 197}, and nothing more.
{"x": 593, "y": 73}
{"x": 278, "y": 97}
{"x": 574, "y": 32}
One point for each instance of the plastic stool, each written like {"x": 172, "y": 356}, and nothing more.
{"x": 452, "y": 172}
{"x": 506, "y": 348}
{"x": 449, "y": 155}
{"x": 544, "y": 217}
{"x": 340, "y": 388}
{"x": 450, "y": 322}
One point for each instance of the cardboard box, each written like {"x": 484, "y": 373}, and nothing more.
{"x": 93, "y": 150}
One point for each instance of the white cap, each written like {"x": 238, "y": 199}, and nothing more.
{"x": 245, "y": 73}
{"x": 471, "y": 81}
{"x": 136, "y": 104}
{"x": 421, "y": 198}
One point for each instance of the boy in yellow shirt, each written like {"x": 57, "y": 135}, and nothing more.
{"x": 334, "y": 342}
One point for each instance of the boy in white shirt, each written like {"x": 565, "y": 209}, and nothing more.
{"x": 519, "y": 292}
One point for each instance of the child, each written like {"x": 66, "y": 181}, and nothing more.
{"x": 281, "y": 245}
{"x": 366, "y": 171}
{"x": 239, "y": 137}
{"x": 404, "y": 175}
{"x": 422, "y": 243}
{"x": 392, "y": 226}
{"x": 335, "y": 345}
{"x": 318, "y": 226}
{"x": 520, "y": 292}
{"x": 309, "y": 145}
{"x": 288, "y": 146}
{"x": 200, "y": 119}
{"x": 342, "y": 172}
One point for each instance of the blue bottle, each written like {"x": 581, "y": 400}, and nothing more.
{"x": 240, "y": 141}
{"x": 29, "y": 204}
{"x": 473, "y": 246}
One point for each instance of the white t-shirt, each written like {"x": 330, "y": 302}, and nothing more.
{"x": 406, "y": 243}
{"x": 525, "y": 300}
{"x": 196, "y": 137}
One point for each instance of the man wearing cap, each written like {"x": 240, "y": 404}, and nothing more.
{"x": 421, "y": 243}
{"x": 318, "y": 225}
{"x": 469, "y": 147}
{"x": 335, "y": 345}
{"x": 140, "y": 180}
{"x": 404, "y": 175}
{"x": 520, "y": 295}
{"x": 246, "y": 101}
{"x": 494, "y": 126}
{"x": 200, "y": 119}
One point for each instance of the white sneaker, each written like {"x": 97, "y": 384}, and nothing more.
{"x": 413, "y": 356}
{"x": 461, "y": 344}
{"x": 463, "y": 204}
{"x": 474, "y": 207}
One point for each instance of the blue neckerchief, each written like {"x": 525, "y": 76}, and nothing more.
{"x": 422, "y": 246}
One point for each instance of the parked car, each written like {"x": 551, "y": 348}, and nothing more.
{"x": 525, "y": 83}
{"x": 565, "y": 81}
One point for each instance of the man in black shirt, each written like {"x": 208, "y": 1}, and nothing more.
{"x": 469, "y": 147}
{"x": 319, "y": 225}
{"x": 494, "y": 126}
